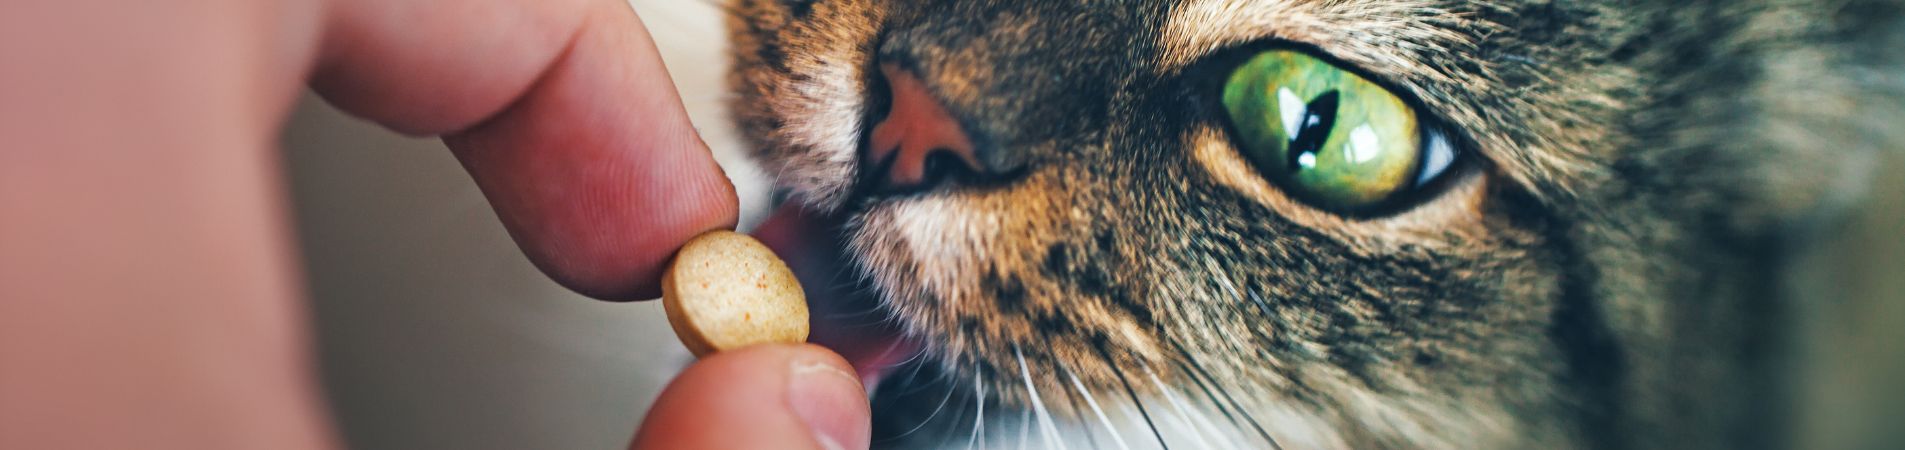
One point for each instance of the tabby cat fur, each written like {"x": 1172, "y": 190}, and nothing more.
{"x": 1601, "y": 272}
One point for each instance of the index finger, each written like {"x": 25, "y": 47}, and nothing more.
{"x": 561, "y": 111}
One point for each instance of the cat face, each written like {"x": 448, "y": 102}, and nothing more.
{"x": 1120, "y": 226}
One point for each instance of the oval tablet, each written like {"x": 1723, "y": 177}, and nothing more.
{"x": 726, "y": 290}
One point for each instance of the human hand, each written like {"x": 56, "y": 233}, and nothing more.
{"x": 148, "y": 283}
{"x": 769, "y": 396}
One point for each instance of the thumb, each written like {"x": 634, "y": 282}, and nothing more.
{"x": 769, "y": 396}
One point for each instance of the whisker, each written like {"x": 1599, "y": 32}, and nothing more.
{"x": 1183, "y": 411}
{"x": 1262, "y": 305}
{"x": 1213, "y": 400}
{"x": 915, "y": 357}
{"x": 1198, "y": 369}
{"x": 1025, "y": 428}
{"x": 911, "y": 384}
{"x": 860, "y": 316}
{"x": 1078, "y": 408}
{"x": 912, "y": 379}
{"x": 979, "y": 421}
{"x": 1199, "y": 373}
{"x": 1099, "y": 411}
{"x": 952, "y": 422}
{"x": 1044, "y": 416}
{"x": 1231, "y": 288}
{"x": 1135, "y": 401}
{"x": 919, "y": 353}
{"x": 1193, "y": 418}
{"x": 929, "y": 417}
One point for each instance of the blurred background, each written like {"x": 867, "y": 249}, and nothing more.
{"x": 433, "y": 330}
{"x": 435, "y": 333}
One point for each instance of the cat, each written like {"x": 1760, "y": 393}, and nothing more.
{"x": 1137, "y": 223}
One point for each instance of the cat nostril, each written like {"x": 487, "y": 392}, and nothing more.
{"x": 942, "y": 164}
{"x": 919, "y": 141}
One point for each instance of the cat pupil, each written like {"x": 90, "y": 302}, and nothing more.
{"x": 1319, "y": 116}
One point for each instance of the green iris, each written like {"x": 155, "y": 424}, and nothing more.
{"x": 1328, "y": 136}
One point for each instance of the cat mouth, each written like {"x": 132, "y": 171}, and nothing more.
{"x": 845, "y": 315}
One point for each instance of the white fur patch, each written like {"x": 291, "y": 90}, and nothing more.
{"x": 827, "y": 123}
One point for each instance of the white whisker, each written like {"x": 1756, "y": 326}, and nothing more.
{"x": 1219, "y": 396}
{"x": 1025, "y": 429}
{"x": 1096, "y": 410}
{"x": 895, "y": 346}
{"x": 1044, "y": 416}
{"x": 1199, "y": 415}
{"x": 930, "y": 417}
{"x": 1183, "y": 411}
{"x": 978, "y": 422}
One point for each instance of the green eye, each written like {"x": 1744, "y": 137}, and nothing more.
{"x": 1329, "y": 136}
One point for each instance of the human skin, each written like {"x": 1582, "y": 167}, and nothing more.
{"x": 149, "y": 291}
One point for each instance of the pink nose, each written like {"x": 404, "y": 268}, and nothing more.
{"x": 917, "y": 140}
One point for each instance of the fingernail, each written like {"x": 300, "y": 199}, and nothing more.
{"x": 830, "y": 401}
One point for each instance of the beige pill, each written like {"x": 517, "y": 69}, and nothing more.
{"x": 726, "y": 290}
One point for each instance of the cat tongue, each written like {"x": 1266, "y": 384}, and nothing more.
{"x": 843, "y": 318}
